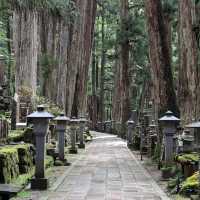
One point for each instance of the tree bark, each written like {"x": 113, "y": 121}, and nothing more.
{"x": 79, "y": 58}
{"x": 164, "y": 93}
{"x": 54, "y": 44}
{"x": 188, "y": 68}
{"x": 25, "y": 42}
{"x": 102, "y": 72}
{"x": 82, "y": 78}
{"x": 124, "y": 63}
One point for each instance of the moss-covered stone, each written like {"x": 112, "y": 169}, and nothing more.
{"x": 9, "y": 167}
{"x": 25, "y": 135}
{"x": 25, "y": 154}
{"x": 16, "y": 136}
{"x": 190, "y": 158}
{"x": 15, "y": 160}
{"x": 49, "y": 161}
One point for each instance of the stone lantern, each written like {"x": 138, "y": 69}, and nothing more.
{"x": 152, "y": 138}
{"x": 196, "y": 127}
{"x": 169, "y": 124}
{"x": 61, "y": 128}
{"x": 40, "y": 120}
{"x": 74, "y": 125}
{"x": 187, "y": 141}
{"x": 108, "y": 126}
{"x": 83, "y": 122}
{"x": 99, "y": 126}
{"x": 131, "y": 126}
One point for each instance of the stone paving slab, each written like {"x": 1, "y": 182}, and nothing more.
{"x": 107, "y": 170}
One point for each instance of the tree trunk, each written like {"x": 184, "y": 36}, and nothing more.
{"x": 53, "y": 51}
{"x": 116, "y": 99}
{"x": 124, "y": 65}
{"x": 164, "y": 93}
{"x": 25, "y": 45}
{"x": 79, "y": 58}
{"x": 102, "y": 72}
{"x": 188, "y": 68}
{"x": 82, "y": 78}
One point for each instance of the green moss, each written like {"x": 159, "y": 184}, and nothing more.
{"x": 9, "y": 161}
{"x": 23, "y": 179}
{"x": 24, "y": 194}
{"x": 15, "y": 160}
{"x": 16, "y": 135}
{"x": 25, "y": 135}
{"x": 191, "y": 184}
{"x": 49, "y": 162}
{"x": 191, "y": 158}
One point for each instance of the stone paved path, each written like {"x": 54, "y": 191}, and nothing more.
{"x": 106, "y": 171}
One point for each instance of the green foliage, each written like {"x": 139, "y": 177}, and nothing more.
{"x": 16, "y": 135}
{"x": 24, "y": 194}
{"x": 49, "y": 162}
{"x": 191, "y": 158}
{"x": 191, "y": 184}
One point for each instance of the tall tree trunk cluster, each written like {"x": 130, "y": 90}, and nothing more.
{"x": 25, "y": 41}
{"x": 54, "y": 54}
{"x": 164, "y": 96}
{"x": 159, "y": 29}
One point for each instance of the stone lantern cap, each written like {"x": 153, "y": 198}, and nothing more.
{"x": 130, "y": 121}
{"x": 153, "y": 125}
{"x": 62, "y": 117}
{"x": 74, "y": 121}
{"x": 83, "y": 120}
{"x": 169, "y": 117}
{"x": 138, "y": 125}
{"x": 40, "y": 114}
{"x": 188, "y": 138}
{"x": 193, "y": 125}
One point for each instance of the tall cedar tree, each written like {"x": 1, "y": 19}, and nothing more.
{"x": 164, "y": 96}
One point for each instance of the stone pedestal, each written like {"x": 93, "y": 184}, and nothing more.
{"x": 108, "y": 126}
{"x": 73, "y": 149}
{"x": 169, "y": 146}
{"x": 81, "y": 132}
{"x": 131, "y": 125}
{"x": 61, "y": 145}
